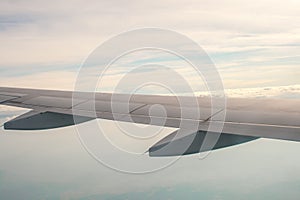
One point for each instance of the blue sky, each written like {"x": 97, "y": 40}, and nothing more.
{"x": 255, "y": 46}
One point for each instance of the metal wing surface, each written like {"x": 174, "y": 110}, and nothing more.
{"x": 249, "y": 117}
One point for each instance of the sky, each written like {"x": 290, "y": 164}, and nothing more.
{"x": 41, "y": 40}
{"x": 254, "y": 45}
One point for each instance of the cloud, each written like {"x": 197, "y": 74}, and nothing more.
{"x": 55, "y": 33}
{"x": 289, "y": 91}
{"x": 61, "y": 80}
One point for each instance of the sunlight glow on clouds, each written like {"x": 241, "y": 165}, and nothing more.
{"x": 240, "y": 36}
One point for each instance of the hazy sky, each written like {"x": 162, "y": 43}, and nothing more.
{"x": 254, "y": 45}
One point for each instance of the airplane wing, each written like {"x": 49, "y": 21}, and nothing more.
{"x": 246, "y": 118}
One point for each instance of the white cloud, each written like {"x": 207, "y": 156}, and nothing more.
{"x": 55, "y": 32}
{"x": 61, "y": 80}
{"x": 289, "y": 91}
{"x": 252, "y": 43}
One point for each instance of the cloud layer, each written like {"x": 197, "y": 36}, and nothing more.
{"x": 257, "y": 42}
